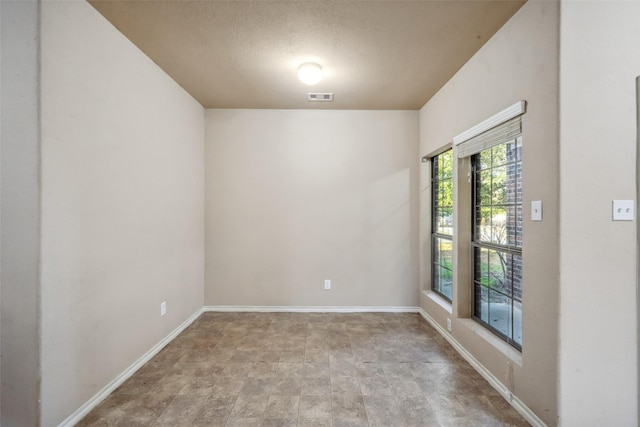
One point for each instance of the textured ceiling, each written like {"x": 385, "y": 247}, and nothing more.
{"x": 244, "y": 54}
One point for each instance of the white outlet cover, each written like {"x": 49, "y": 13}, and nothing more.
{"x": 623, "y": 210}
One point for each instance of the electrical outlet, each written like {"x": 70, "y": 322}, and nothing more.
{"x": 327, "y": 284}
{"x": 163, "y": 308}
{"x": 448, "y": 324}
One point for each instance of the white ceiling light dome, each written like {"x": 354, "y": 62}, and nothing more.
{"x": 309, "y": 73}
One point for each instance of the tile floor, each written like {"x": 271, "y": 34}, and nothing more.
{"x": 306, "y": 369}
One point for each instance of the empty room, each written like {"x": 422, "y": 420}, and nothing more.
{"x": 318, "y": 213}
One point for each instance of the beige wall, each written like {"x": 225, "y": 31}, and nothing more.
{"x": 519, "y": 63}
{"x": 298, "y": 196}
{"x": 598, "y": 335}
{"x": 122, "y": 205}
{"x": 20, "y": 240}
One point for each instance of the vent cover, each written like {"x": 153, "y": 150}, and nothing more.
{"x": 320, "y": 97}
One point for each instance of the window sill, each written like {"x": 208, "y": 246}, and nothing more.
{"x": 443, "y": 303}
{"x": 493, "y": 340}
{"x": 514, "y": 355}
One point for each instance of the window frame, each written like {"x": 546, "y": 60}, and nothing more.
{"x": 511, "y": 250}
{"x": 436, "y": 236}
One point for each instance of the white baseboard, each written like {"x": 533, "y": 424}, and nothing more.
{"x": 74, "y": 418}
{"x": 311, "y": 309}
{"x": 517, "y": 404}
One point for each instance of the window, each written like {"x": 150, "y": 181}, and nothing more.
{"x": 497, "y": 239}
{"x": 442, "y": 224}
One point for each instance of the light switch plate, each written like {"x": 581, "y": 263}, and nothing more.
{"x": 536, "y": 210}
{"x": 623, "y": 210}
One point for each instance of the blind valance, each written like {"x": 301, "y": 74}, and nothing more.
{"x": 502, "y": 127}
{"x": 502, "y": 133}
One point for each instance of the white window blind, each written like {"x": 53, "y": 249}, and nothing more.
{"x": 502, "y": 133}
{"x": 497, "y": 129}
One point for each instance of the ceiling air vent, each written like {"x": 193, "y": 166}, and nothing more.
{"x": 320, "y": 97}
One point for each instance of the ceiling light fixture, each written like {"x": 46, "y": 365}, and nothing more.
{"x": 310, "y": 73}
